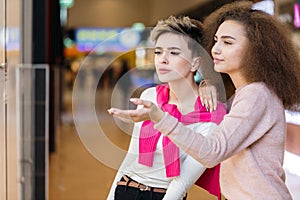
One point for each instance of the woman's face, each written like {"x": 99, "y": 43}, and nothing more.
{"x": 230, "y": 48}
{"x": 173, "y": 59}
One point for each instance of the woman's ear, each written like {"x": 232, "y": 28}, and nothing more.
{"x": 196, "y": 64}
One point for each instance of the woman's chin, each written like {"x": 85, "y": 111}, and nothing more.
{"x": 218, "y": 69}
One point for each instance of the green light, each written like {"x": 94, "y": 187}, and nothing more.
{"x": 66, "y": 3}
{"x": 68, "y": 42}
{"x": 138, "y": 26}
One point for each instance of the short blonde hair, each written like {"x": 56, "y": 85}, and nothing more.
{"x": 182, "y": 25}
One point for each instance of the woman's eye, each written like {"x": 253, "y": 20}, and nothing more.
{"x": 227, "y": 42}
{"x": 175, "y": 53}
{"x": 157, "y": 52}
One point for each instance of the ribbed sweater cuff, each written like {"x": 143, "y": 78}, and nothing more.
{"x": 166, "y": 125}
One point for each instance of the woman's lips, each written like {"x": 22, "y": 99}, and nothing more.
{"x": 163, "y": 71}
{"x": 216, "y": 61}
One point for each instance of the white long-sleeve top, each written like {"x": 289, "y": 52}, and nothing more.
{"x": 250, "y": 143}
{"x": 292, "y": 117}
{"x": 155, "y": 176}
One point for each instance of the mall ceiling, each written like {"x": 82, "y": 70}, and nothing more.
{"x": 204, "y": 10}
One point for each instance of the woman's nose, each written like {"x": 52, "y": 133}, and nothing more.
{"x": 164, "y": 58}
{"x": 215, "y": 49}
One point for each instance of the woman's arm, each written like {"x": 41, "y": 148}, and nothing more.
{"x": 133, "y": 147}
{"x": 190, "y": 170}
{"x": 208, "y": 96}
{"x": 129, "y": 158}
{"x": 249, "y": 119}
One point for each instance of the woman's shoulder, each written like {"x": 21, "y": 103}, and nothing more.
{"x": 254, "y": 86}
{"x": 255, "y": 89}
{"x": 257, "y": 96}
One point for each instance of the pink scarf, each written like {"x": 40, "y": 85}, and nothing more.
{"x": 149, "y": 137}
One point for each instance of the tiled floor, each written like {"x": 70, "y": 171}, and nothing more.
{"x": 75, "y": 174}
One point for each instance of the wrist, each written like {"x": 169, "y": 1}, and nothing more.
{"x": 156, "y": 114}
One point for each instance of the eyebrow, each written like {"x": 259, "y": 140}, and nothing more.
{"x": 169, "y": 48}
{"x": 226, "y": 37}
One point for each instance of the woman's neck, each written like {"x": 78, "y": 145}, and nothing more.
{"x": 183, "y": 94}
{"x": 238, "y": 80}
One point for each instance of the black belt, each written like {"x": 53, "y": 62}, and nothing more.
{"x": 132, "y": 183}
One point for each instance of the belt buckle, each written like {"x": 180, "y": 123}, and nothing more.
{"x": 146, "y": 189}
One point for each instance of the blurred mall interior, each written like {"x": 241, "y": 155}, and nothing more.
{"x": 63, "y": 64}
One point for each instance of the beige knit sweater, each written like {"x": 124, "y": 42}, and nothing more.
{"x": 249, "y": 142}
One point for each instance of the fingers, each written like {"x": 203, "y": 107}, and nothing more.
{"x": 203, "y": 93}
{"x": 214, "y": 98}
{"x": 130, "y": 115}
{"x": 204, "y": 96}
{"x": 208, "y": 96}
{"x": 125, "y": 120}
{"x": 138, "y": 101}
{"x": 140, "y": 114}
{"x": 124, "y": 115}
{"x": 211, "y": 98}
{"x": 200, "y": 90}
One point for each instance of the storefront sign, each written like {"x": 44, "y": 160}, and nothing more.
{"x": 106, "y": 39}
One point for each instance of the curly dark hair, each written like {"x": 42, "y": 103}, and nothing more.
{"x": 272, "y": 58}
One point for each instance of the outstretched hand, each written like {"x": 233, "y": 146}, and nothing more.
{"x": 147, "y": 111}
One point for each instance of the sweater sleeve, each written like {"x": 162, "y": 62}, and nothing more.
{"x": 133, "y": 149}
{"x": 129, "y": 158}
{"x": 245, "y": 124}
{"x": 190, "y": 169}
